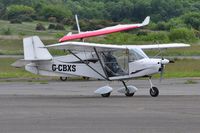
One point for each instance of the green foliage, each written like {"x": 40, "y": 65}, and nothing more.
{"x": 157, "y": 37}
{"x": 59, "y": 35}
{"x": 6, "y": 31}
{"x": 59, "y": 27}
{"x": 15, "y": 21}
{"x": 58, "y": 11}
{"x": 88, "y": 25}
{"x": 52, "y": 26}
{"x": 182, "y": 35}
{"x": 40, "y": 27}
{"x": 25, "y": 13}
{"x": 127, "y": 38}
{"x": 192, "y": 19}
{"x": 164, "y": 10}
{"x": 115, "y": 10}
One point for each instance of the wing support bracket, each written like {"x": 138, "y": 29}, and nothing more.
{"x": 87, "y": 64}
{"x": 95, "y": 50}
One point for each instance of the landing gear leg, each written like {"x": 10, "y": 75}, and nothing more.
{"x": 154, "y": 92}
{"x": 128, "y": 94}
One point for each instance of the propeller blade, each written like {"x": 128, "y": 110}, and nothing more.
{"x": 161, "y": 72}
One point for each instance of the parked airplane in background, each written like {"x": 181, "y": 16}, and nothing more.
{"x": 104, "y": 31}
{"x": 100, "y": 61}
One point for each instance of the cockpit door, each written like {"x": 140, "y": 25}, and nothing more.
{"x": 116, "y": 62}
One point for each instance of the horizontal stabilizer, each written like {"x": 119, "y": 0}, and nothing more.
{"x": 21, "y": 62}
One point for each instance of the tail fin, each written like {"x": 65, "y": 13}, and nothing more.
{"x": 34, "y": 49}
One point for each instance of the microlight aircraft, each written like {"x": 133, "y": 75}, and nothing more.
{"x": 99, "y": 61}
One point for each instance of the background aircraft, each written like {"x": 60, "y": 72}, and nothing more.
{"x": 104, "y": 31}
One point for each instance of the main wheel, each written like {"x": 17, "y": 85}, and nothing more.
{"x": 63, "y": 78}
{"x": 86, "y": 78}
{"x": 129, "y": 94}
{"x": 154, "y": 92}
{"x": 106, "y": 95}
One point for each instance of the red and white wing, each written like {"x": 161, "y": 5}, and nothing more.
{"x": 105, "y": 31}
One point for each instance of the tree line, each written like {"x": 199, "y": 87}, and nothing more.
{"x": 93, "y": 14}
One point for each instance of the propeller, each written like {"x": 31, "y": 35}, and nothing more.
{"x": 162, "y": 67}
{"x": 162, "y": 63}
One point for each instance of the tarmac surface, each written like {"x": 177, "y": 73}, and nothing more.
{"x": 72, "y": 107}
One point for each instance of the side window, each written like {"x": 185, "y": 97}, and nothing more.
{"x": 136, "y": 54}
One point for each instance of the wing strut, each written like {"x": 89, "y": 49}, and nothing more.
{"x": 87, "y": 64}
{"x": 77, "y": 24}
{"x": 95, "y": 50}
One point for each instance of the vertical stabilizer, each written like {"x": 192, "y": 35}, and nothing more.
{"x": 34, "y": 49}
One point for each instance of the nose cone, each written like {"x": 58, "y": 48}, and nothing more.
{"x": 164, "y": 61}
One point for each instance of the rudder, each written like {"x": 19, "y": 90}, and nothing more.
{"x": 34, "y": 49}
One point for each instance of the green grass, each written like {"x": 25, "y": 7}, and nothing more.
{"x": 7, "y": 71}
{"x": 179, "y": 69}
{"x": 28, "y": 29}
{"x": 183, "y": 68}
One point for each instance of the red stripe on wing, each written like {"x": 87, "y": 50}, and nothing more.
{"x": 96, "y": 33}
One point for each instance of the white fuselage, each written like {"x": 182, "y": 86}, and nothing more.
{"x": 91, "y": 66}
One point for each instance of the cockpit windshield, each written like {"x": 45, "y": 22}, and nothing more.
{"x": 136, "y": 54}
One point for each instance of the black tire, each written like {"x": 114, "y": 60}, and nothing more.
{"x": 154, "y": 92}
{"x": 63, "y": 78}
{"x": 106, "y": 95}
{"x": 86, "y": 78}
{"x": 129, "y": 94}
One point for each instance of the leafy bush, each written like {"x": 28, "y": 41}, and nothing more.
{"x": 40, "y": 27}
{"x": 192, "y": 19}
{"x": 52, "y": 19}
{"x": 15, "y": 21}
{"x": 52, "y": 26}
{"x": 6, "y": 31}
{"x": 59, "y": 27}
{"x": 127, "y": 38}
{"x": 59, "y": 35}
{"x": 162, "y": 26}
{"x": 57, "y": 11}
{"x": 88, "y": 25}
{"x": 56, "y": 27}
{"x": 20, "y": 12}
{"x": 182, "y": 35}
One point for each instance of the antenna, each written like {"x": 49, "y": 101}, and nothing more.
{"x": 77, "y": 23}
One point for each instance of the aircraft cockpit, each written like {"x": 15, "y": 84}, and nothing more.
{"x": 116, "y": 62}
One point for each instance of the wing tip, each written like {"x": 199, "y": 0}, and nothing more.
{"x": 146, "y": 21}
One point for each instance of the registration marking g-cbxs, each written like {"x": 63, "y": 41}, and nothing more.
{"x": 63, "y": 67}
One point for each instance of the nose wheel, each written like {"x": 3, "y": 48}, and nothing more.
{"x": 106, "y": 95}
{"x": 129, "y": 94}
{"x": 154, "y": 92}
